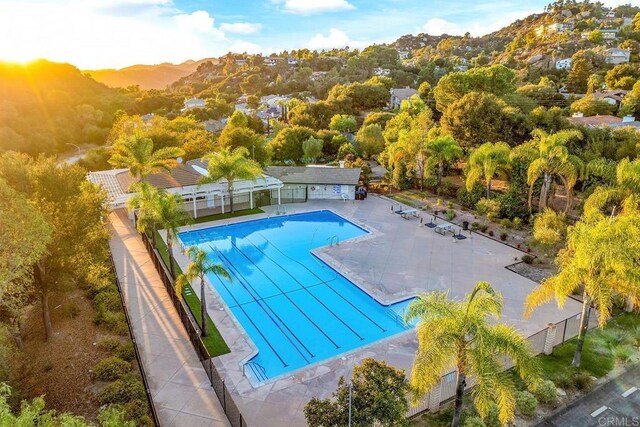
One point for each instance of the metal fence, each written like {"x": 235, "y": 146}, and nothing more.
{"x": 445, "y": 391}
{"x": 143, "y": 374}
{"x": 193, "y": 330}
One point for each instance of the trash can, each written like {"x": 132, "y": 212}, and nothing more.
{"x": 465, "y": 225}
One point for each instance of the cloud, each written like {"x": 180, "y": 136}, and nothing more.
{"x": 313, "y": 7}
{"x": 91, "y": 37}
{"x": 438, "y": 26}
{"x": 242, "y": 46}
{"x": 240, "y": 27}
{"x": 335, "y": 39}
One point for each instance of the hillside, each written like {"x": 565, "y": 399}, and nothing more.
{"x": 146, "y": 76}
{"x": 47, "y": 107}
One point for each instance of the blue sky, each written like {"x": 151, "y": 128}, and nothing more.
{"x": 117, "y": 33}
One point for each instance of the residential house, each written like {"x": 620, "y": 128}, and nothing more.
{"x": 578, "y": 119}
{"x": 240, "y": 62}
{"x": 271, "y": 62}
{"x": 609, "y": 13}
{"x": 292, "y": 61}
{"x": 215, "y": 126}
{"x": 318, "y": 75}
{"x": 556, "y": 27}
{"x": 147, "y": 117}
{"x": 563, "y": 64}
{"x": 403, "y": 54}
{"x": 617, "y": 56}
{"x": 194, "y": 103}
{"x": 400, "y": 94}
{"x": 381, "y": 71}
{"x": 613, "y": 97}
{"x": 609, "y": 33}
{"x": 316, "y": 182}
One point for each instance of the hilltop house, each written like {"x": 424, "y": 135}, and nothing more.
{"x": 578, "y": 119}
{"x": 563, "y": 64}
{"x": 271, "y": 62}
{"x": 240, "y": 62}
{"x": 613, "y": 97}
{"x": 609, "y": 33}
{"x": 381, "y": 71}
{"x": 617, "y": 56}
{"x": 194, "y": 103}
{"x": 292, "y": 61}
{"x": 400, "y": 94}
{"x": 215, "y": 126}
{"x": 403, "y": 54}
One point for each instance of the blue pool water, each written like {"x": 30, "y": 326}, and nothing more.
{"x": 296, "y": 309}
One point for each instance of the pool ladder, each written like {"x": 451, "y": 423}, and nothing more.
{"x": 258, "y": 371}
{"x": 395, "y": 316}
{"x": 334, "y": 240}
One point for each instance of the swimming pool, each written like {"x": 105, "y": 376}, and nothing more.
{"x": 296, "y": 308}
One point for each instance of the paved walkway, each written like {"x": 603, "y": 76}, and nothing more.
{"x": 616, "y": 403}
{"x": 179, "y": 385}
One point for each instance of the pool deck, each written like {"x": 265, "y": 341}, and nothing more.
{"x": 397, "y": 260}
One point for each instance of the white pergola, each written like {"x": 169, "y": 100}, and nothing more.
{"x": 203, "y": 196}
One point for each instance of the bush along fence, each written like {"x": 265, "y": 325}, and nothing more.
{"x": 188, "y": 321}
{"x": 145, "y": 380}
{"x": 543, "y": 341}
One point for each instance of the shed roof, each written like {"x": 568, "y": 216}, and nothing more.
{"x": 314, "y": 175}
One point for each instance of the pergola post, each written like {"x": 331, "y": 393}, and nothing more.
{"x": 195, "y": 207}
{"x": 222, "y": 204}
{"x": 251, "y": 199}
{"x": 278, "y": 195}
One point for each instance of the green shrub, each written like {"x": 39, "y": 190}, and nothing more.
{"x": 111, "y": 368}
{"x": 546, "y": 392}
{"x": 475, "y": 225}
{"x": 71, "y": 310}
{"x": 582, "y": 381}
{"x": 516, "y": 223}
{"x": 526, "y": 403}
{"x": 503, "y": 236}
{"x": 108, "y": 343}
{"x": 623, "y": 352}
{"x": 109, "y": 300}
{"x": 484, "y": 228}
{"x": 505, "y": 223}
{"x": 527, "y": 259}
{"x": 122, "y": 391}
{"x": 513, "y": 205}
{"x": 126, "y": 351}
{"x": 468, "y": 199}
{"x": 450, "y": 205}
{"x": 489, "y": 208}
{"x": 473, "y": 422}
{"x": 136, "y": 409}
{"x": 492, "y": 419}
{"x": 114, "y": 321}
{"x": 450, "y": 215}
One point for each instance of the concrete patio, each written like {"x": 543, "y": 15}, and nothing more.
{"x": 399, "y": 258}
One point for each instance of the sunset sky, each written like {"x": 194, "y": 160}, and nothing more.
{"x": 116, "y": 33}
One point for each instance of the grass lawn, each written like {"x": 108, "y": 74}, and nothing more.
{"x": 218, "y": 217}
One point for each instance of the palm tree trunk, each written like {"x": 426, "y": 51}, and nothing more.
{"x": 584, "y": 327}
{"x": 457, "y": 411}
{"x": 170, "y": 251}
{"x": 203, "y": 310}
{"x": 544, "y": 192}
{"x": 440, "y": 173}
{"x": 488, "y": 188}
{"x": 230, "y": 191}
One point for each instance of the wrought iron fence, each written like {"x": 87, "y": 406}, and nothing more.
{"x": 193, "y": 331}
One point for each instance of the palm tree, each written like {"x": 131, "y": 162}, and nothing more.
{"x": 137, "y": 154}
{"x": 144, "y": 202}
{"x": 601, "y": 257}
{"x": 458, "y": 333}
{"x": 624, "y": 180}
{"x": 198, "y": 268}
{"x": 231, "y": 165}
{"x": 487, "y": 161}
{"x": 440, "y": 150}
{"x": 171, "y": 216}
{"x": 550, "y": 160}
